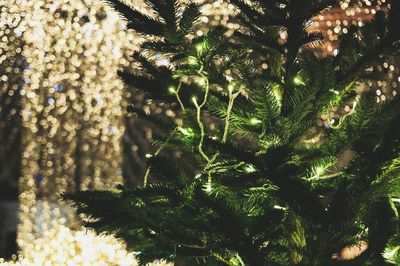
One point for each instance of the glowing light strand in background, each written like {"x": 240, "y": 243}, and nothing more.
{"x": 72, "y": 117}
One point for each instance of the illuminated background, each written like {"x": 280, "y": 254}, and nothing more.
{"x": 63, "y": 125}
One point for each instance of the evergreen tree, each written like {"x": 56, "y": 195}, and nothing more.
{"x": 270, "y": 186}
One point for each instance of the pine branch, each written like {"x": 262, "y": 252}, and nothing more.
{"x": 166, "y": 10}
{"x": 189, "y": 16}
{"x": 136, "y": 20}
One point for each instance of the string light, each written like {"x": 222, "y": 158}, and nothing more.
{"x": 277, "y": 207}
{"x": 255, "y": 121}
{"x": 249, "y": 168}
{"x": 297, "y": 80}
{"x": 199, "y": 48}
{"x": 335, "y": 92}
{"x": 172, "y": 90}
{"x": 231, "y": 87}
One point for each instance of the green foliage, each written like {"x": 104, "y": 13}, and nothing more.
{"x": 392, "y": 255}
{"x": 261, "y": 191}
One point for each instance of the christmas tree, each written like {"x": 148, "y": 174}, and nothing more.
{"x": 267, "y": 185}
